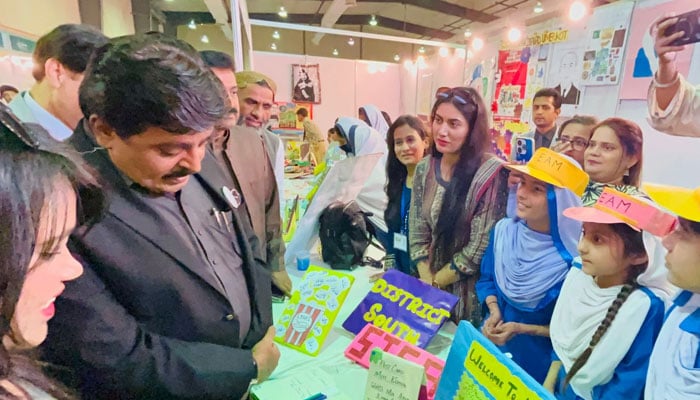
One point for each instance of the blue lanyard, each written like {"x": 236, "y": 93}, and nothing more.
{"x": 405, "y": 204}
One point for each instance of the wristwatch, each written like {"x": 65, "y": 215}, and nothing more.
{"x": 254, "y": 381}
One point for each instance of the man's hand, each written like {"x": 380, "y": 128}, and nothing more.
{"x": 282, "y": 281}
{"x": 266, "y": 355}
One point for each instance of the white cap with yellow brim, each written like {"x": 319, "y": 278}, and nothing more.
{"x": 556, "y": 169}
{"x": 681, "y": 201}
{"x": 615, "y": 207}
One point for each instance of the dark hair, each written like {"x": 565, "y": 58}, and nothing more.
{"x": 585, "y": 120}
{"x": 217, "y": 59}
{"x": 396, "y": 172}
{"x": 633, "y": 243}
{"x": 450, "y": 231}
{"x": 303, "y": 112}
{"x": 550, "y": 92}
{"x": 7, "y": 88}
{"x": 135, "y": 82}
{"x": 689, "y": 226}
{"x": 70, "y": 44}
{"x": 387, "y": 118}
{"x": 31, "y": 162}
{"x": 632, "y": 141}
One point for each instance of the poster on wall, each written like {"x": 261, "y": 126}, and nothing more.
{"x": 283, "y": 117}
{"x": 306, "y": 83}
{"x": 510, "y": 79}
{"x": 640, "y": 59}
{"x": 605, "y": 45}
{"x": 564, "y": 73}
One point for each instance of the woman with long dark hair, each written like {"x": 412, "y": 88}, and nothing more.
{"x": 459, "y": 193}
{"x": 407, "y": 142}
{"x": 39, "y": 208}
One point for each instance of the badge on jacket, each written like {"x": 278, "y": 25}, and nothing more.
{"x": 233, "y": 198}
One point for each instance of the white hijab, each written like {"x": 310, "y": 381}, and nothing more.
{"x": 376, "y": 119}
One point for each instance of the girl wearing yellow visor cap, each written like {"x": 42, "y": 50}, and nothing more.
{"x": 607, "y": 316}
{"x": 528, "y": 258}
{"x": 674, "y": 370}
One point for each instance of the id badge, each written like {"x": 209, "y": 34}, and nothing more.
{"x": 400, "y": 242}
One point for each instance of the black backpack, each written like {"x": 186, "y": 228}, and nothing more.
{"x": 345, "y": 234}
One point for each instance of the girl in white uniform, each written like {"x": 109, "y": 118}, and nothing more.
{"x": 674, "y": 370}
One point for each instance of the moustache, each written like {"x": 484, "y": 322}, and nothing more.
{"x": 178, "y": 174}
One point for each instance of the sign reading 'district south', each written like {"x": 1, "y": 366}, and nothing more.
{"x": 403, "y": 306}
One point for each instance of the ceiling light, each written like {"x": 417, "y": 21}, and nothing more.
{"x": 421, "y": 50}
{"x": 282, "y": 12}
{"x": 275, "y": 35}
{"x": 373, "y": 21}
{"x": 577, "y": 10}
{"x": 397, "y": 58}
{"x": 335, "y": 52}
{"x": 461, "y": 53}
{"x": 204, "y": 39}
{"x": 538, "y": 8}
{"x": 273, "y": 46}
{"x": 478, "y": 44}
{"x": 192, "y": 25}
{"x": 444, "y": 52}
{"x": 351, "y": 42}
{"x": 468, "y": 33}
{"x": 514, "y": 35}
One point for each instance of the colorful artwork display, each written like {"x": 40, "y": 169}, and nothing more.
{"x": 510, "y": 79}
{"x": 477, "y": 369}
{"x": 372, "y": 337}
{"x": 310, "y": 313}
{"x": 605, "y": 47}
{"x": 404, "y": 306}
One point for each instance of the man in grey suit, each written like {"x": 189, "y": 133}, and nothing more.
{"x": 60, "y": 58}
{"x": 175, "y": 298}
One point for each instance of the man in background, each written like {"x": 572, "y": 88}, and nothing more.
{"x": 313, "y": 135}
{"x": 241, "y": 153}
{"x": 256, "y": 96}
{"x": 546, "y": 107}
{"x": 60, "y": 58}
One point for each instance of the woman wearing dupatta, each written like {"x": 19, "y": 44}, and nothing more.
{"x": 459, "y": 192}
{"x": 528, "y": 258}
{"x": 613, "y": 159}
{"x": 373, "y": 117}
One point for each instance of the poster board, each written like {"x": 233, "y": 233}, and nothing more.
{"x": 477, "y": 370}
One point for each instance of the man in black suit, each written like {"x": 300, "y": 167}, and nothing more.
{"x": 175, "y": 300}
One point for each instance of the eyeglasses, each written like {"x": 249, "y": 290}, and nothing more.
{"x": 10, "y": 122}
{"x": 462, "y": 97}
{"x": 577, "y": 143}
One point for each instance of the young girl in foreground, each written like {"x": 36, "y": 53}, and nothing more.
{"x": 528, "y": 258}
{"x": 674, "y": 371}
{"x": 605, "y": 322}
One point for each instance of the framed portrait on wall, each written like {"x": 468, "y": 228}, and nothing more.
{"x": 306, "y": 83}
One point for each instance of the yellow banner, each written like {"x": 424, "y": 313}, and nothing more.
{"x": 546, "y": 37}
{"x": 494, "y": 376}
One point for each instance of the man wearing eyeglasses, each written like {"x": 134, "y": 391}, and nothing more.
{"x": 60, "y": 59}
{"x": 546, "y": 106}
{"x": 175, "y": 300}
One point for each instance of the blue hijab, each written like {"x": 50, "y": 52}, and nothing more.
{"x": 527, "y": 264}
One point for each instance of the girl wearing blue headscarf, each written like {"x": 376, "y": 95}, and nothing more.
{"x": 528, "y": 257}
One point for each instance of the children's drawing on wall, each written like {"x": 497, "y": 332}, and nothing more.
{"x": 564, "y": 74}
{"x": 640, "y": 60}
{"x": 510, "y": 80}
{"x": 605, "y": 45}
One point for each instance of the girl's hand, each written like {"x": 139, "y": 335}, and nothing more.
{"x": 503, "y": 332}
{"x": 493, "y": 320}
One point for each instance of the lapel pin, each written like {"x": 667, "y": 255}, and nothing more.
{"x": 232, "y": 196}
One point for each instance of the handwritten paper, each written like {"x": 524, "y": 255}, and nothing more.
{"x": 392, "y": 378}
{"x": 372, "y": 337}
{"x": 299, "y": 386}
{"x": 309, "y": 315}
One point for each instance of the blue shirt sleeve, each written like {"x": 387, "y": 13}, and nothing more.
{"x": 630, "y": 375}
{"x": 486, "y": 286}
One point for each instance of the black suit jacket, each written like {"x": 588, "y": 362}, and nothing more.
{"x": 146, "y": 319}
